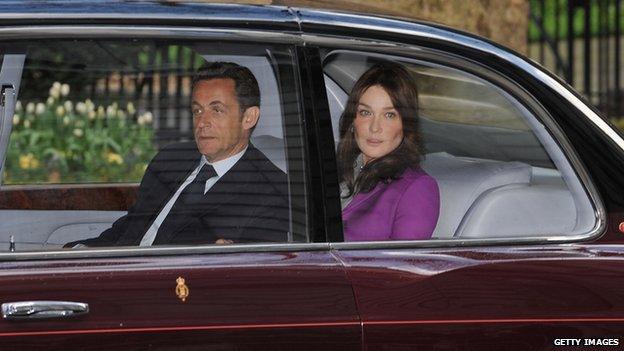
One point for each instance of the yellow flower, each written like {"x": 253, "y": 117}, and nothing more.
{"x": 28, "y": 161}
{"x": 60, "y": 111}
{"x": 130, "y": 108}
{"x": 112, "y": 157}
{"x": 100, "y": 112}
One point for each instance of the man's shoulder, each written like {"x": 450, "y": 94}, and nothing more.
{"x": 259, "y": 171}
{"x": 177, "y": 156}
{"x": 260, "y": 162}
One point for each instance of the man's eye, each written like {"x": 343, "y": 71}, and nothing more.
{"x": 217, "y": 110}
{"x": 196, "y": 111}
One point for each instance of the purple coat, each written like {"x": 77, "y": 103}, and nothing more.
{"x": 404, "y": 209}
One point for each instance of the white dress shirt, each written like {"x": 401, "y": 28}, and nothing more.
{"x": 221, "y": 167}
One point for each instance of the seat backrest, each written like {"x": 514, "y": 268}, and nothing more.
{"x": 520, "y": 211}
{"x": 462, "y": 180}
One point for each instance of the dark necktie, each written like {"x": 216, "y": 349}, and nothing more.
{"x": 194, "y": 192}
{"x": 188, "y": 203}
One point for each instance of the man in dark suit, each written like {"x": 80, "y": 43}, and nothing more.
{"x": 218, "y": 189}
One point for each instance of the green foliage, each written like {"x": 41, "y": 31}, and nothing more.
{"x": 578, "y": 21}
{"x": 62, "y": 142}
{"x": 618, "y": 123}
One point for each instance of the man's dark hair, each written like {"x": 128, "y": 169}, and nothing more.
{"x": 245, "y": 84}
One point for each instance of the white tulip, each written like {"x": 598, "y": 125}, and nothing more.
{"x": 64, "y": 89}
{"x": 40, "y": 108}
{"x": 18, "y": 106}
{"x": 78, "y": 132}
{"x": 90, "y": 105}
{"x": 149, "y": 117}
{"x": 16, "y": 120}
{"x": 69, "y": 106}
{"x": 55, "y": 93}
{"x": 30, "y": 107}
{"x": 111, "y": 111}
{"x": 81, "y": 108}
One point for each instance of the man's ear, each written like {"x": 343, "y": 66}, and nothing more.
{"x": 250, "y": 117}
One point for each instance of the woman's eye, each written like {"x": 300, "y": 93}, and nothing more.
{"x": 390, "y": 114}
{"x": 364, "y": 113}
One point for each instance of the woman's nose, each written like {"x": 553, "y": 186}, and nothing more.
{"x": 375, "y": 125}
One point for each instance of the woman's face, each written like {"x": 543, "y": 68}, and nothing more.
{"x": 377, "y": 125}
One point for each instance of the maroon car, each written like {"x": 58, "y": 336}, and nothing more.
{"x": 526, "y": 255}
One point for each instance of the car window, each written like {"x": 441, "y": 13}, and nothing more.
{"x": 103, "y": 132}
{"x": 488, "y": 164}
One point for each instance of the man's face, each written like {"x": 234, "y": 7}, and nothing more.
{"x": 221, "y": 129}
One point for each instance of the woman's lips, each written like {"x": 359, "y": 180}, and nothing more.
{"x": 373, "y": 142}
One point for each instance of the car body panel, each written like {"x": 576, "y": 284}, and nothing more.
{"x": 516, "y": 298}
{"x": 289, "y": 298}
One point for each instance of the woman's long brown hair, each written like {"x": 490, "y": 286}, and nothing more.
{"x": 400, "y": 85}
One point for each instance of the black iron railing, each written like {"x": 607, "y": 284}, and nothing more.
{"x": 581, "y": 41}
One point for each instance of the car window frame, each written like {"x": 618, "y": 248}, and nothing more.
{"x": 252, "y": 36}
{"x": 452, "y": 59}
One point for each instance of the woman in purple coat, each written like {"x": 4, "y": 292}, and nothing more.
{"x": 385, "y": 193}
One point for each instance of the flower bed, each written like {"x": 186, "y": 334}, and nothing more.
{"x": 59, "y": 141}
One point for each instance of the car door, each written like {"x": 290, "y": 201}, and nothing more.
{"x": 525, "y": 255}
{"x": 281, "y": 295}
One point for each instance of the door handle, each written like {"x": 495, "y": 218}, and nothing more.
{"x": 43, "y": 309}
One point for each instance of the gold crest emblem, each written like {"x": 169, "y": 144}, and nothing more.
{"x": 181, "y": 289}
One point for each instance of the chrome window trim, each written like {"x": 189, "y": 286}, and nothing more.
{"x": 377, "y": 47}
{"x": 134, "y": 17}
{"x": 130, "y": 31}
{"x": 135, "y": 251}
{"x": 149, "y": 10}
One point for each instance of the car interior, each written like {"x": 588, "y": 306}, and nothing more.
{"x": 36, "y": 229}
{"x": 500, "y": 172}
